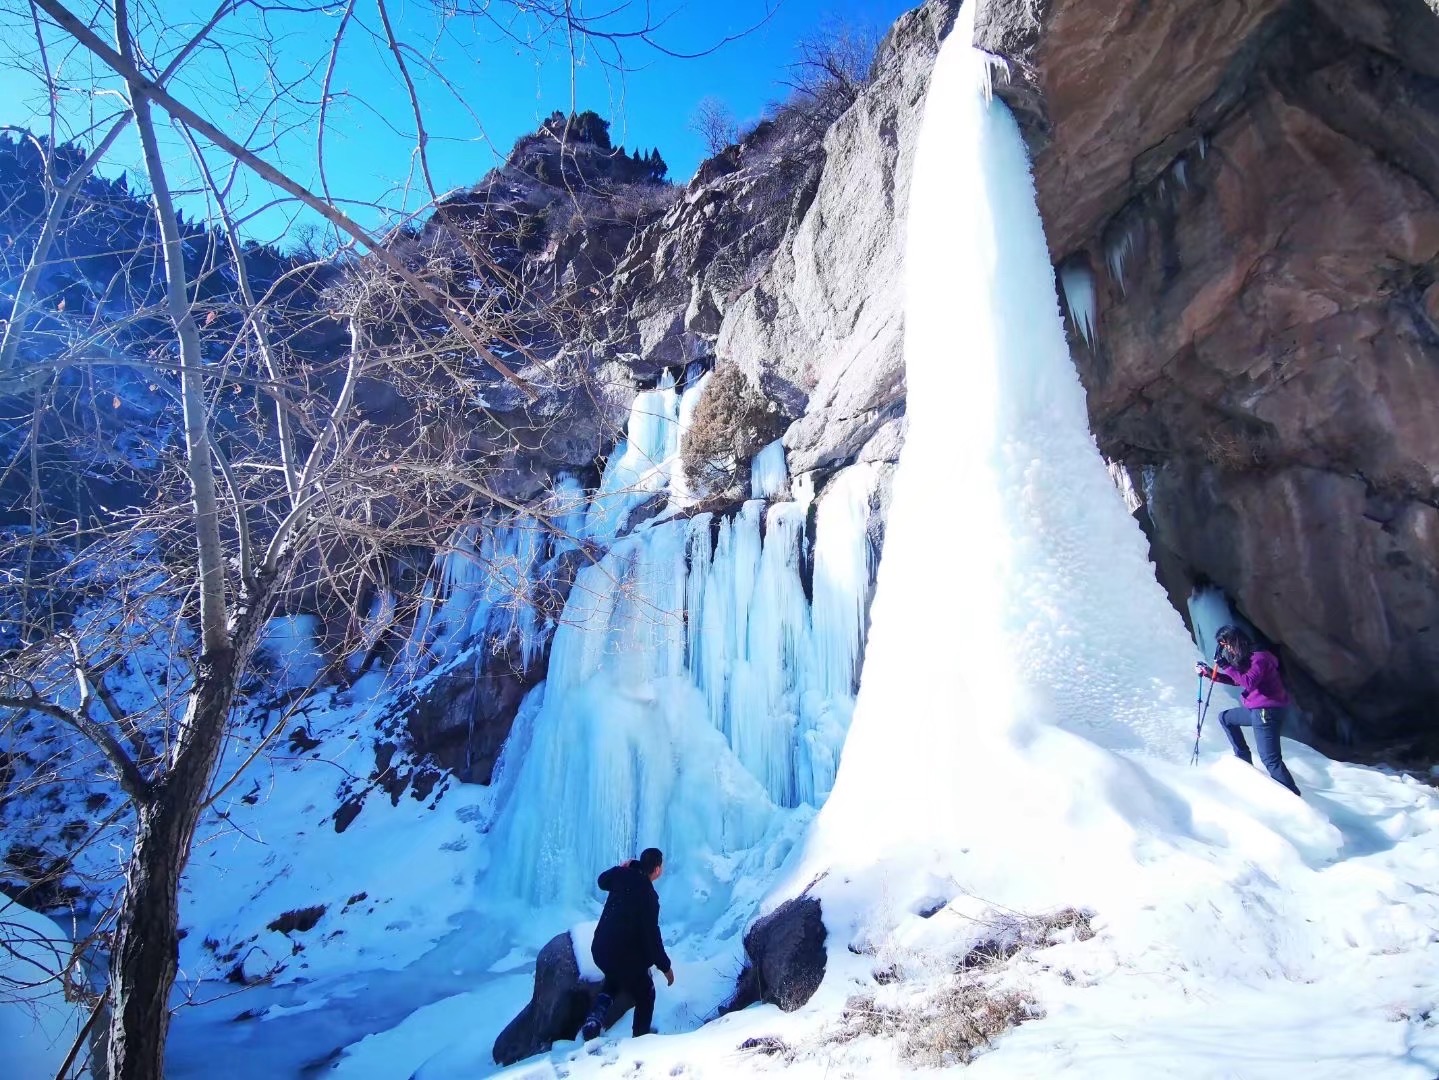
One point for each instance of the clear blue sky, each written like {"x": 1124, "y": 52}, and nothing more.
{"x": 507, "y": 73}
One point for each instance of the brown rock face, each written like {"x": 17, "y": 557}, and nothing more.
{"x": 1253, "y": 188}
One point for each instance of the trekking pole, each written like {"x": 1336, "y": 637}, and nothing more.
{"x": 1202, "y": 707}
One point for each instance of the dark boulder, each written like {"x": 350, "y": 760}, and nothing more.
{"x": 786, "y": 957}
{"x": 562, "y": 999}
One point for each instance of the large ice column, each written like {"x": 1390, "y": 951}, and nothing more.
{"x": 1018, "y": 633}
{"x": 843, "y": 567}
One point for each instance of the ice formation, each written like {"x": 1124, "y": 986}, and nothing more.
{"x": 695, "y": 686}
{"x": 769, "y": 477}
{"x": 643, "y": 464}
{"x": 1077, "y": 281}
{"x": 1018, "y": 634}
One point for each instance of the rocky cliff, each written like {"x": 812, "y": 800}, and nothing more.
{"x": 1243, "y": 200}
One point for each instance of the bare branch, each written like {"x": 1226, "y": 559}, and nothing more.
{"x": 134, "y": 784}
{"x": 25, "y": 290}
{"x": 149, "y": 90}
{"x": 214, "y": 627}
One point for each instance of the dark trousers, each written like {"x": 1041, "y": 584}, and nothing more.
{"x": 1267, "y": 724}
{"x": 628, "y": 978}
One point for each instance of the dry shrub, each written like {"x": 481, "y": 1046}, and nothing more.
{"x": 1020, "y": 932}
{"x": 770, "y": 1046}
{"x": 973, "y": 1005}
{"x": 947, "y": 1028}
{"x": 963, "y": 1020}
{"x": 732, "y": 421}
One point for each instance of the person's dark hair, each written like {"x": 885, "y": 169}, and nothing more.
{"x": 1235, "y": 644}
{"x": 650, "y": 858}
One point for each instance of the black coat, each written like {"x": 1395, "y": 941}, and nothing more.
{"x": 629, "y": 929}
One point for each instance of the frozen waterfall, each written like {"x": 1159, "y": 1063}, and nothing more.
{"x": 1018, "y": 632}
{"x": 701, "y": 677}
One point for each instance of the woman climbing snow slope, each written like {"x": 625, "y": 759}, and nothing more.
{"x": 1265, "y": 700}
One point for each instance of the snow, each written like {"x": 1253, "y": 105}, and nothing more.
{"x": 37, "y": 1025}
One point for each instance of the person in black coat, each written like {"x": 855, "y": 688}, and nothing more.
{"x": 627, "y": 941}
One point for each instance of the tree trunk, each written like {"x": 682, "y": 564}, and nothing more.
{"x": 147, "y": 940}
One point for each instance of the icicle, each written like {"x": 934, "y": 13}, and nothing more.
{"x": 763, "y": 704}
{"x": 681, "y": 490}
{"x": 1077, "y": 281}
{"x": 843, "y": 567}
{"x": 565, "y": 506}
{"x": 769, "y": 478}
{"x": 1118, "y": 252}
{"x": 728, "y": 592}
{"x": 1124, "y": 485}
{"x": 700, "y": 552}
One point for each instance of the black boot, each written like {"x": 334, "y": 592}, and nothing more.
{"x": 595, "y": 1022}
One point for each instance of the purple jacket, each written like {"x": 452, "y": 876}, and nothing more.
{"x": 1260, "y": 685}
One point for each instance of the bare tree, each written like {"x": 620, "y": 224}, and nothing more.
{"x": 294, "y": 469}
{"x": 831, "y": 67}
{"x": 714, "y": 122}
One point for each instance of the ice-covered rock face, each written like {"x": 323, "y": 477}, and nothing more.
{"x": 821, "y": 330}
{"x": 700, "y": 680}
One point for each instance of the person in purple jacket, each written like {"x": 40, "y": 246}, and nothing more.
{"x": 1266, "y": 702}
